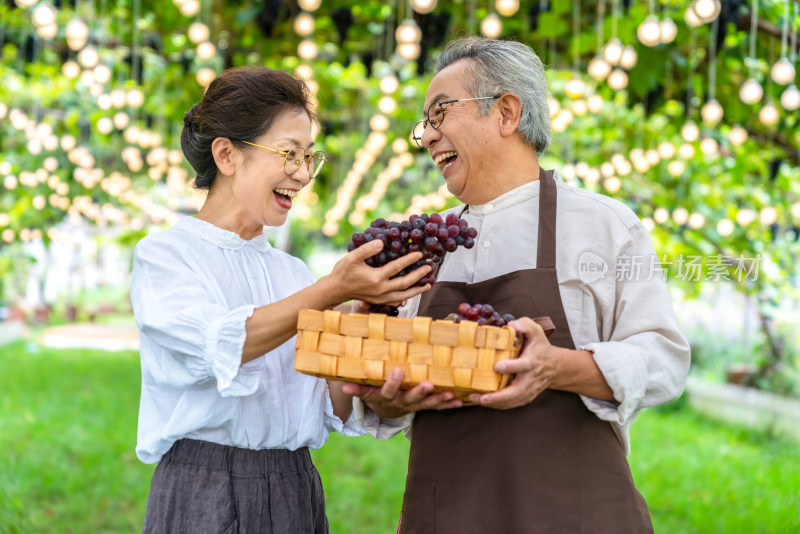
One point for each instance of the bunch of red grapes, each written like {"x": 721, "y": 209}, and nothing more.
{"x": 433, "y": 235}
{"x": 483, "y": 314}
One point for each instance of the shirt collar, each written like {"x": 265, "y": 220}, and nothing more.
{"x": 220, "y": 237}
{"x": 511, "y": 198}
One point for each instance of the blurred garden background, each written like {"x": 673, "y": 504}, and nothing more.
{"x": 686, "y": 110}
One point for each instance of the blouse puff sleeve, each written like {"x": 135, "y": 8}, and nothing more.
{"x": 643, "y": 357}
{"x": 198, "y": 340}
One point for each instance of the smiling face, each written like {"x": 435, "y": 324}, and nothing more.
{"x": 261, "y": 189}
{"x": 466, "y": 145}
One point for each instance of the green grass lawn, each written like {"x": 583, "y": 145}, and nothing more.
{"x": 68, "y": 431}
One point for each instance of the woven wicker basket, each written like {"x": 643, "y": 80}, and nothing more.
{"x": 361, "y": 348}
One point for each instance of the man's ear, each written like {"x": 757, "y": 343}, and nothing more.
{"x": 510, "y": 109}
{"x": 223, "y": 151}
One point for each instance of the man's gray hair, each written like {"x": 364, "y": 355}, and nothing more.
{"x": 506, "y": 67}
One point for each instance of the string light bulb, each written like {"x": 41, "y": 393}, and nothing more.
{"x": 599, "y": 68}
{"x": 304, "y": 25}
{"x": 77, "y": 33}
{"x": 628, "y": 59}
{"x": 790, "y": 99}
{"x": 409, "y": 51}
{"x": 309, "y": 5}
{"x": 769, "y": 114}
{"x": 706, "y": 10}
{"x": 712, "y": 112}
{"x": 575, "y": 88}
{"x": 737, "y": 135}
{"x": 782, "y": 71}
{"x": 751, "y": 91}
{"x": 408, "y": 32}
{"x": 198, "y": 32}
{"x": 668, "y": 30}
{"x": 691, "y": 17}
{"x": 307, "y": 49}
{"x": 206, "y": 50}
{"x": 423, "y": 7}
{"x": 649, "y": 31}
{"x": 491, "y": 26}
{"x": 618, "y": 79}
{"x": 44, "y": 15}
{"x": 507, "y": 8}
{"x": 613, "y": 51}
{"x": 690, "y": 132}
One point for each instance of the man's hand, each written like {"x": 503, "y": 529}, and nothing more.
{"x": 535, "y": 369}
{"x": 389, "y": 401}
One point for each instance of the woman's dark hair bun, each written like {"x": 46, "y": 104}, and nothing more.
{"x": 188, "y": 117}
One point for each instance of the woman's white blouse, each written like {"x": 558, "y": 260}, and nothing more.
{"x": 193, "y": 287}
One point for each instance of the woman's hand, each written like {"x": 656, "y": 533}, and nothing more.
{"x": 352, "y": 278}
{"x": 389, "y": 401}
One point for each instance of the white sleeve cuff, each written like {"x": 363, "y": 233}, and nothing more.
{"x": 224, "y": 345}
{"x": 626, "y": 375}
{"x": 377, "y": 426}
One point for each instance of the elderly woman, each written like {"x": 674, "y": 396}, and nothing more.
{"x": 222, "y": 410}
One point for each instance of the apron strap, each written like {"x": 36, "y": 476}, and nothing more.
{"x": 548, "y": 193}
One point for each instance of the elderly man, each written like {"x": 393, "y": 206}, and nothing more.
{"x": 548, "y": 452}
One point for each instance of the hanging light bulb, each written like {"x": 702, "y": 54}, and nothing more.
{"x": 206, "y": 50}
{"x": 737, "y": 136}
{"x": 745, "y": 216}
{"x": 506, "y": 7}
{"x": 423, "y": 7}
{"x": 612, "y": 184}
{"x": 47, "y": 31}
{"x": 712, "y": 112}
{"x": 105, "y": 125}
{"x": 579, "y": 107}
{"x": 118, "y": 98}
{"x": 88, "y": 57}
{"x": 668, "y": 30}
{"x": 198, "y": 32}
{"x": 205, "y": 76}
{"x": 379, "y": 123}
{"x": 618, "y": 79}
{"x": 709, "y": 146}
{"x": 575, "y": 88}
{"x": 782, "y": 71}
{"x": 595, "y": 103}
{"x": 666, "y": 150}
{"x": 25, "y": 3}
{"x": 676, "y": 167}
{"x": 680, "y": 216}
{"x": 189, "y": 8}
{"x": 768, "y": 215}
{"x": 599, "y": 68}
{"x": 690, "y": 132}
{"x": 628, "y": 59}
{"x": 725, "y": 227}
{"x": 304, "y": 71}
{"x": 491, "y": 26}
{"x": 649, "y": 31}
{"x": 686, "y": 151}
{"x": 121, "y": 120}
{"x": 661, "y": 215}
{"x": 71, "y": 70}
{"x": 44, "y": 15}
{"x": 696, "y": 220}
{"x": 554, "y": 106}
{"x": 307, "y": 49}
{"x": 77, "y": 33}
{"x": 790, "y": 99}
{"x": 691, "y": 17}
{"x": 135, "y": 98}
{"x": 102, "y": 73}
{"x": 387, "y": 105}
{"x": 304, "y": 25}
{"x": 389, "y": 84}
{"x": 409, "y": 51}
{"x": 706, "y": 10}
{"x": 613, "y": 51}
{"x": 309, "y": 5}
{"x": 408, "y": 32}
{"x": 769, "y": 114}
{"x": 751, "y": 91}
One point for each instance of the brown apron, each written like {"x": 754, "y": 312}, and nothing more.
{"x": 551, "y": 466}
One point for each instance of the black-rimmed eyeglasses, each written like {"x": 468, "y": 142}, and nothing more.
{"x": 435, "y": 116}
{"x": 295, "y": 156}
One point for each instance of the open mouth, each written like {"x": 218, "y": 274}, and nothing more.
{"x": 445, "y": 159}
{"x": 284, "y": 197}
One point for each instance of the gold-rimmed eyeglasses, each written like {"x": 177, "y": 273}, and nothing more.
{"x": 293, "y": 157}
{"x": 435, "y": 116}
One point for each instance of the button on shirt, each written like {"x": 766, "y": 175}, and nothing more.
{"x": 613, "y": 291}
{"x": 192, "y": 289}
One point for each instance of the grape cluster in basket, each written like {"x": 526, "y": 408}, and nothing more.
{"x": 483, "y": 314}
{"x": 433, "y": 235}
